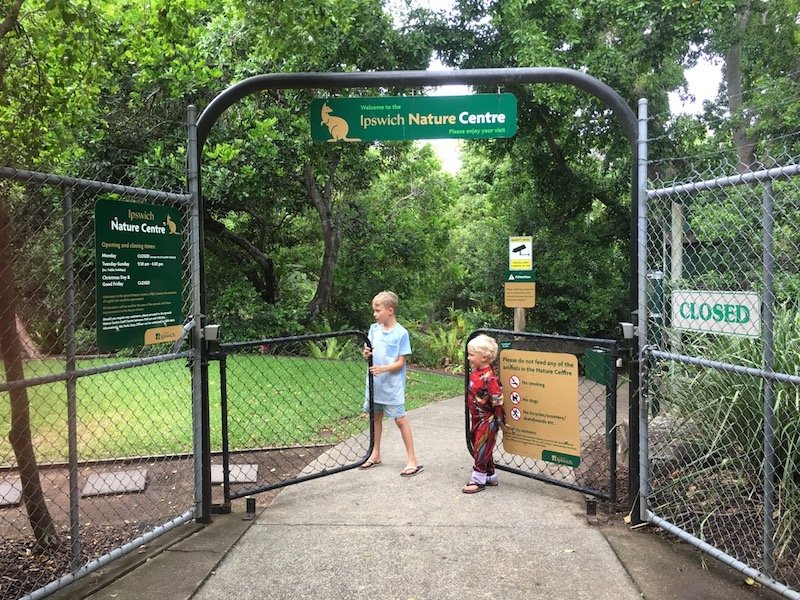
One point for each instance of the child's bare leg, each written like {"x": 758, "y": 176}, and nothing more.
{"x": 408, "y": 441}
{"x": 376, "y": 447}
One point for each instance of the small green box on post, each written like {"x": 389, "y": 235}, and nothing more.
{"x": 595, "y": 362}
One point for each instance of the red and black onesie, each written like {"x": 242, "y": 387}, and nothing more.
{"x": 485, "y": 402}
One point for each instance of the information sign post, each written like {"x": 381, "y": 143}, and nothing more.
{"x": 138, "y": 281}
{"x": 520, "y": 287}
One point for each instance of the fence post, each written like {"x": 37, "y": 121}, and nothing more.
{"x": 769, "y": 392}
{"x": 637, "y": 419}
{"x": 200, "y": 404}
{"x": 69, "y": 351}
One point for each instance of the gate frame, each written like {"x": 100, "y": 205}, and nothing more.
{"x": 198, "y": 134}
{"x": 613, "y": 349}
{"x": 650, "y": 351}
{"x": 222, "y": 354}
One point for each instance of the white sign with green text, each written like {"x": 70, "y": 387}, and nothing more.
{"x": 731, "y": 313}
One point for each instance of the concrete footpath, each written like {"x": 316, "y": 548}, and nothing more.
{"x": 371, "y": 534}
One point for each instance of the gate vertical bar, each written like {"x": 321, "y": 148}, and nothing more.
{"x": 769, "y": 390}
{"x": 72, "y": 410}
{"x": 201, "y": 441}
{"x": 641, "y": 339}
{"x": 226, "y": 460}
{"x": 611, "y": 415}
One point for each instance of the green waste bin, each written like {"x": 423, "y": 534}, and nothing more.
{"x": 595, "y": 362}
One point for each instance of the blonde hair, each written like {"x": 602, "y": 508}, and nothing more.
{"x": 388, "y": 299}
{"x": 484, "y": 344}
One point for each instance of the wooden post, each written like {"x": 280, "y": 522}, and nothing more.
{"x": 519, "y": 319}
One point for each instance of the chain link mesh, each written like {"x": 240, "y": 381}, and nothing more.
{"x": 602, "y": 469}
{"x": 293, "y": 409}
{"x": 110, "y": 433}
{"x": 714, "y": 241}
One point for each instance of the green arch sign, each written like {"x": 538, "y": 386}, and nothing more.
{"x": 395, "y": 118}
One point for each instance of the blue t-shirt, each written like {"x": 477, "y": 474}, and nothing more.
{"x": 387, "y": 346}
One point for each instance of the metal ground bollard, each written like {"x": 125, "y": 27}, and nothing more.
{"x": 250, "y": 504}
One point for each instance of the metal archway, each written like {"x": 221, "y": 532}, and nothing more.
{"x": 328, "y": 81}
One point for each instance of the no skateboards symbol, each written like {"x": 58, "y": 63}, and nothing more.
{"x": 516, "y": 413}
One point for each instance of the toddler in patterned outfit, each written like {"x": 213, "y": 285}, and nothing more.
{"x": 485, "y": 403}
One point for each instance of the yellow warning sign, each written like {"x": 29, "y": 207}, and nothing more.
{"x": 520, "y": 253}
{"x": 540, "y": 392}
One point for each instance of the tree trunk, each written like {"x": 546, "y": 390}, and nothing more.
{"x": 44, "y": 529}
{"x": 263, "y": 276}
{"x": 29, "y": 347}
{"x": 745, "y": 145}
{"x": 331, "y": 236}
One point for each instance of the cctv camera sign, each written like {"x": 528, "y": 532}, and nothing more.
{"x": 520, "y": 253}
{"x": 138, "y": 274}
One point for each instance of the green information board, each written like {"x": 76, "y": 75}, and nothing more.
{"x": 413, "y": 118}
{"x": 138, "y": 281}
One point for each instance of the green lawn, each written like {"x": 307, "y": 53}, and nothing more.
{"x": 272, "y": 401}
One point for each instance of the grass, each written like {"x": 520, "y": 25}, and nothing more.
{"x": 147, "y": 411}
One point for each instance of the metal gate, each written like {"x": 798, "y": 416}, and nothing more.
{"x": 291, "y": 411}
{"x": 597, "y": 469}
{"x": 720, "y": 382}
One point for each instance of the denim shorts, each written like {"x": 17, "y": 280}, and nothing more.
{"x": 392, "y": 411}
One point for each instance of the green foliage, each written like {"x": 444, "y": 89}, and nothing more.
{"x": 393, "y": 238}
{"x": 440, "y": 344}
{"x": 448, "y": 345}
{"x": 333, "y": 348}
{"x": 726, "y": 405}
{"x": 50, "y": 79}
{"x": 726, "y": 410}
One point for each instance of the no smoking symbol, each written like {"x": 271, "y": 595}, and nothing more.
{"x": 515, "y": 397}
{"x": 514, "y": 381}
{"x": 516, "y": 414}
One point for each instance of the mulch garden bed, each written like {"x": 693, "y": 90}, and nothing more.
{"x": 108, "y": 522}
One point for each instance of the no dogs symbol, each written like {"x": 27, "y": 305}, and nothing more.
{"x": 514, "y": 381}
{"x": 515, "y": 397}
{"x": 516, "y": 414}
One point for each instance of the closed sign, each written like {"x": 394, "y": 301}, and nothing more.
{"x": 732, "y": 313}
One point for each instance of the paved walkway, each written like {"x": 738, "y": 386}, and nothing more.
{"x": 375, "y": 535}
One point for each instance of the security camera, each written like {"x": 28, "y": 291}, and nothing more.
{"x": 628, "y": 330}
{"x": 212, "y": 333}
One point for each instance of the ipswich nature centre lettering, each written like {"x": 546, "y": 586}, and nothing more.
{"x": 413, "y": 118}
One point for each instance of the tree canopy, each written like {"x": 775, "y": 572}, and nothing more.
{"x": 301, "y": 234}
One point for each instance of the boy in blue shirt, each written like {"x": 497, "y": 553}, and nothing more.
{"x": 390, "y": 346}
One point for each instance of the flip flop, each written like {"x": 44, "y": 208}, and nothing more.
{"x": 411, "y": 472}
{"x": 369, "y": 464}
{"x": 473, "y": 487}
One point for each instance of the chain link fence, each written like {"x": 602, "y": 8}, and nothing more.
{"x": 96, "y": 447}
{"x": 599, "y": 468}
{"x": 292, "y": 410}
{"x": 721, "y": 366}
